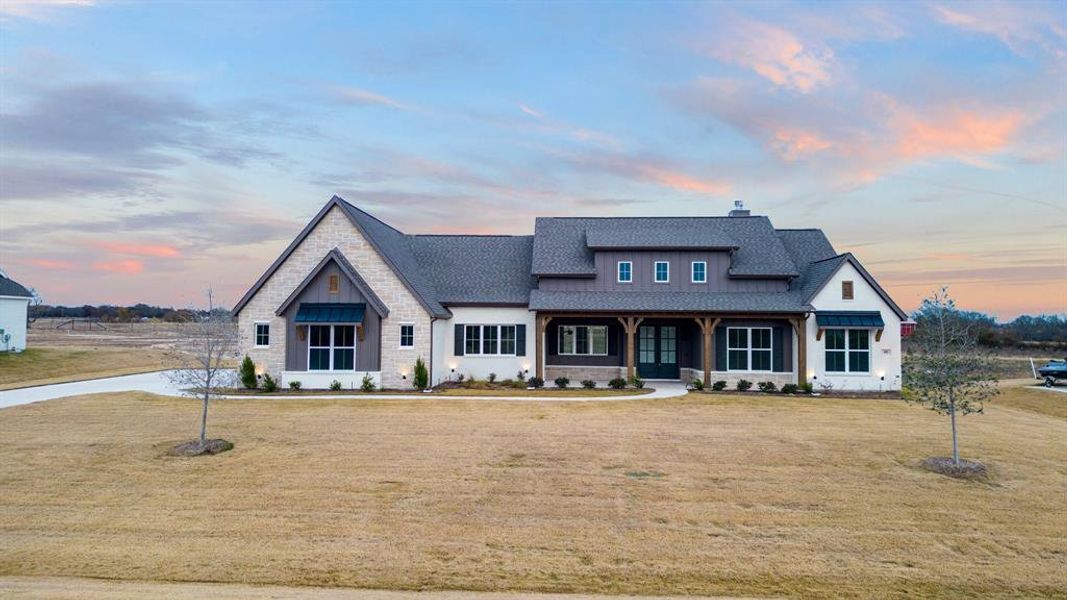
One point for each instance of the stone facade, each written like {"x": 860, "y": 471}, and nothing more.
{"x": 577, "y": 374}
{"x": 335, "y": 230}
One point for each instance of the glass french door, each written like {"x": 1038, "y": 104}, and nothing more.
{"x": 657, "y": 351}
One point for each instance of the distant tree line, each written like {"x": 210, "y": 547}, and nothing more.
{"x": 1042, "y": 330}
{"x": 118, "y": 314}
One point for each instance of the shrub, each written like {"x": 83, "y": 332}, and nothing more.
{"x": 421, "y": 380}
{"x": 697, "y": 384}
{"x": 518, "y": 384}
{"x": 562, "y": 382}
{"x": 294, "y": 385}
{"x": 367, "y": 385}
{"x": 460, "y": 377}
{"x": 520, "y": 376}
{"x": 335, "y": 386}
{"x": 637, "y": 382}
{"x": 588, "y": 384}
{"x": 790, "y": 388}
{"x": 492, "y": 377}
{"x": 807, "y": 388}
{"x": 743, "y": 385}
{"x": 269, "y": 383}
{"x": 718, "y": 386}
{"x": 535, "y": 382}
{"x": 248, "y": 373}
{"x": 767, "y": 387}
{"x": 617, "y": 384}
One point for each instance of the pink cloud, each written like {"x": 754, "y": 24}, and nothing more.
{"x": 775, "y": 54}
{"x": 795, "y": 144}
{"x": 129, "y": 266}
{"x": 52, "y": 264}
{"x": 353, "y": 95}
{"x": 153, "y": 250}
{"x": 1022, "y": 27}
{"x": 957, "y": 133}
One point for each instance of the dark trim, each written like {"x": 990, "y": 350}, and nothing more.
{"x": 485, "y": 304}
{"x": 851, "y": 258}
{"x": 346, "y": 267}
{"x": 732, "y": 275}
{"x": 575, "y": 275}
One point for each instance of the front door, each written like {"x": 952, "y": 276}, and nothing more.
{"x": 657, "y": 352}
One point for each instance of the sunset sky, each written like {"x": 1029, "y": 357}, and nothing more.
{"x": 149, "y": 151}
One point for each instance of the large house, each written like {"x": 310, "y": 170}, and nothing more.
{"x": 677, "y": 298}
{"x": 14, "y": 302}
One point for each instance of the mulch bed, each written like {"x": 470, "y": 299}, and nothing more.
{"x": 967, "y": 469}
{"x": 194, "y": 448}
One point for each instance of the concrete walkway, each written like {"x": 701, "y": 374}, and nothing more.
{"x": 63, "y": 588}
{"x": 157, "y": 383}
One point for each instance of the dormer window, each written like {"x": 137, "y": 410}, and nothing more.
{"x": 700, "y": 271}
{"x": 626, "y": 271}
{"x": 662, "y": 271}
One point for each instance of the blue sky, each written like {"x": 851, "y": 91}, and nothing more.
{"x": 151, "y": 150}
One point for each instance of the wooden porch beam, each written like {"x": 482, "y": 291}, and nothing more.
{"x": 800, "y": 327}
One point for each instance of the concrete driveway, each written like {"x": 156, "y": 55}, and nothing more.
{"x": 157, "y": 383}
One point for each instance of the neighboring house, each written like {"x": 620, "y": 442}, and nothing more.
{"x": 715, "y": 298}
{"x": 14, "y": 302}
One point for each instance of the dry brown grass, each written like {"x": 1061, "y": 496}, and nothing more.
{"x": 710, "y": 495}
{"x": 39, "y": 366}
{"x": 1045, "y": 402}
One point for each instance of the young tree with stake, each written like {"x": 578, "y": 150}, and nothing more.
{"x": 943, "y": 370}
{"x": 203, "y": 350}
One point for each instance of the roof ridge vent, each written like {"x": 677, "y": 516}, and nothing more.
{"x": 739, "y": 209}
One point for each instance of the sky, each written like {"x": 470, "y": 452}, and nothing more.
{"x": 149, "y": 151}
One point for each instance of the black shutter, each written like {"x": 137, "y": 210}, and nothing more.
{"x": 720, "y": 348}
{"x": 778, "y": 348}
{"x": 458, "y": 351}
{"x": 520, "y": 340}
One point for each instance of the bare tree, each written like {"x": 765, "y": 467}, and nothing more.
{"x": 944, "y": 370}
{"x": 204, "y": 347}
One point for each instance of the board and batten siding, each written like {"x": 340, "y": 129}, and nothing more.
{"x": 368, "y": 350}
{"x": 680, "y": 274}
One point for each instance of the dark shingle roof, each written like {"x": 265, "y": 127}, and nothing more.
{"x": 10, "y": 287}
{"x": 819, "y": 273}
{"x": 561, "y": 244}
{"x": 769, "y": 302}
{"x": 472, "y": 269}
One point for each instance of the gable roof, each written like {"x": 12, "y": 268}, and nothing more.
{"x": 391, "y": 245}
{"x": 562, "y": 244}
{"x": 820, "y": 273}
{"x": 10, "y": 287}
{"x": 335, "y": 256}
{"x": 477, "y": 269}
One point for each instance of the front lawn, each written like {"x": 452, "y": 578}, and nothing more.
{"x": 706, "y": 494}
{"x": 40, "y": 366}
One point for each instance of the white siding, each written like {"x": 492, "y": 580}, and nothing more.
{"x": 13, "y": 322}
{"x": 885, "y": 354}
{"x": 505, "y": 367}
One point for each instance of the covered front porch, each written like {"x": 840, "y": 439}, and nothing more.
{"x": 672, "y": 346}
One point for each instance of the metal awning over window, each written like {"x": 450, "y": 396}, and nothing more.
{"x": 853, "y": 319}
{"x": 315, "y": 312}
{"x": 849, "y": 318}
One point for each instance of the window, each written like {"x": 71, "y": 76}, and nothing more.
{"x": 589, "y": 340}
{"x": 749, "y": 349}
{"x": 626, "y": 271}
{"x": 262, "y": 335}
{"x": 847, "y": 290}
{"x": 490, "y": 340}
{"x": 407, "y": 336}
{"x": 700, "y": 272}
{"x": 663, "y": 271}
{"x": 335, "y": 284}
{"x": 848, "y": 350}
{"x": 332, "y": 348}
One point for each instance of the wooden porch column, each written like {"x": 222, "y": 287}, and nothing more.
{"x": 539, "y": 346}
{"x": 629, "y": 325}
{"x": 800, "y": 328}
{"x": 707, "y": 327}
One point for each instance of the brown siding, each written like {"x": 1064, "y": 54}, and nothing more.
{"x": 368, "y": 350}
{"x": 680, "y": 275}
